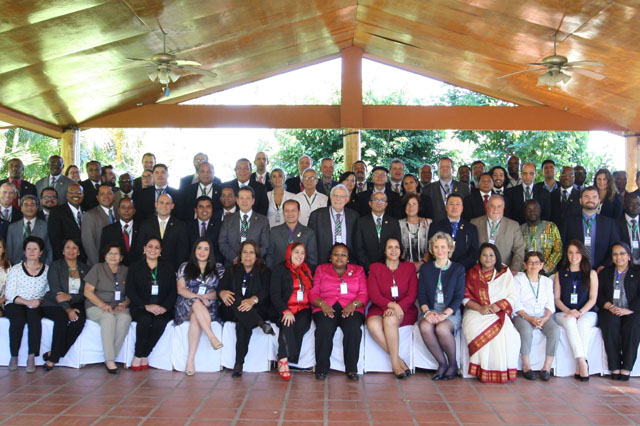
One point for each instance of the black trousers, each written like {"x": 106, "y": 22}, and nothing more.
{"x": 245, "y": 323}
{"x": 19, "y": 315}
{"x": 148, "y": 330}
{"x": 65, "y": 332}
{"x": 621, "y": 337}
{"x": 290, "y": 338}
{"x": 325, "y": 330}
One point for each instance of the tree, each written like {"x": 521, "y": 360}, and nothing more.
{"x": 32, "y": 148}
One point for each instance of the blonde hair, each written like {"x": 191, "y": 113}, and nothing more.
{"x": 442, "y": 236}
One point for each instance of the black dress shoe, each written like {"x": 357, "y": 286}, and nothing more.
{"x": 450, "y": 376}
{"x": 353, "y": 376}
{"x": 45, "y": 356}
{"x": 112, "y": 370}
{"x": 437, "y": 376}
{"x": 267, "y": 329}
{"x": 584, "y": 379}
{"x": 401, "y": 375}
{"x": 236, "y": 373}
{"x": 529, "y": 375}
{"x": 545, "y": 375}
{"x": 408, "y": 372}
{"x": 321, "y": 376}
{"x": 615, "y": 376}
{"x": 577, "y": 376}
{"x": 47, "y": 367}
{"x": 624, "y": 377}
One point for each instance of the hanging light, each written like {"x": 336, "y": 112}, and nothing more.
{"x": 553, "y": 77}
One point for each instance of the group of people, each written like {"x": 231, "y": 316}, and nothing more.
{"x": 264, "y": 249}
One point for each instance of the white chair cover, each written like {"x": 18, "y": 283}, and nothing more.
{"x": 91, "y": 346}
{"x": 260, "y": 349}
{"x": 375, "y": 359}
{"x": 207, "y": 360}
{"x": 422, "y": 358}
{"x": 307, "y": 357}
{"x": 160, "y": 356}
{"x": 337, "y": 355}
{"x": 596, "y": 355}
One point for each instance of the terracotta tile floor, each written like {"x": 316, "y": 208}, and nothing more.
{"x": 90, "y": 396}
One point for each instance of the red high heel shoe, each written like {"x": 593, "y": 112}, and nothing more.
{"x": 286, "y": 375}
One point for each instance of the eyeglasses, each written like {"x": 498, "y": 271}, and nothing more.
{"x": 308, "y": 178}
{"x": 534, "y": 263}
{"x": 379, "y": 201}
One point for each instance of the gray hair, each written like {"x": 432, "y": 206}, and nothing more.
{"x": 442, "y": 236}
{"x": 339, "y": 186}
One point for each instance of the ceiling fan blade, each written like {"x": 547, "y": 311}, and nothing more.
{"x": 520, "y": 72}
{"x": 536, "y": 63}
{"x": 587, "y": 73}
{"x": 588, "y": 63}
{"x": 199, "y": 71}
{"x": 182, "y": 62}
{"x": 138, "y": 59}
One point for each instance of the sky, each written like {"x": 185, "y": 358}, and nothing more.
{"x": 224, "y": 146}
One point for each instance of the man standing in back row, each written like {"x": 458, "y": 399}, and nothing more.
{"x": 437, "y": 192}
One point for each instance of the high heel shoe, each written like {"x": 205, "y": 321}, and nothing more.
{"x": 190, "y": 372}
{"x": 267, "y": 329}
{"x": 217, "y": 346}
{"x": 285, "y": 374}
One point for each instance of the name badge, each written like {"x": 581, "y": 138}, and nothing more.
{"x": 244, "y": 291}
{"x": 635, "y": 245}
{"x": 338, "y": 238}
{"x": 537, "y": 309}
{"x": 439, "y": 297}
{"x": 74, "y": 286}
{"x": 616, "y": 293}
{"x": 278, "y": 217}
{"x": 202, "y": 290}
{"x": 300, "y": 295}
{"x": 155, "y": 289}
{"x": 343, "y": 288}
{"x": 574, "y": 298}
{"x": 587, "y": 241}
{"x": 394, "y": 291}
{"x": 243, "y": 239}
{"x": 492, "y": 241}
{"x": 117, "y": 296}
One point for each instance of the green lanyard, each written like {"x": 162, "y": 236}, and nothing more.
{"x": 537, "y": 292}
{"x": 588, "y": 223}
{"x": 444, "y": 268}
{"x": 494, "y": 229}
{"x": 154, "y": 275}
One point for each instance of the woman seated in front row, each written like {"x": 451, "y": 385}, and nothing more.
{"x": 106, "y": 303}
{"x": 64, "y": 302}
{"x": 291, "y": 282}
{"x": 197, "y": 298}
{"x": 440, "y": 294}
{"x": 151, "y": 287}
{"x": 244, "y": 290}
{"x": 338, "y": 296}
{"x": 392, "y": 287}
{"x": 619, "y": 314}
{"x": 534, "y": 308}
{"x": 489, "y": 298}
{"x": 576, "y": 291}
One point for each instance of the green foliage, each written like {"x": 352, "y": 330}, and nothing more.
{"x": 121, "y": 148}
{"x": 32, "y": 148}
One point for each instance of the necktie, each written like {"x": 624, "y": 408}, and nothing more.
{"x": 244, "y": 227}
{"x": 379, "y": 226}
{"x": 53, "y": 181}
{"x": 527, "y": 193}
{"x": 159, "y": 192}
{"x": 163, "y": 225}
{"x": 126, "y": 196}
{"x": 111, "y": 217}
{"x": 27, "y": 232}
{"x": 360, "y": 187}
{"x": 227, "y": 213}
{"x": 79, "y": 218}
{"x": 338, "y": 227}
{"x": 125, "y": 236}
{"x": 5, "y": 215}
{"x": 565, "y": 195}
{"x": 398, "y": 188}
{"x": 203, "y": 229}
{"x": 485, "y": 201}
{"x": 260, "y": 179}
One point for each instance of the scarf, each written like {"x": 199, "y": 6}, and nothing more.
{"x": 298, "y": 273}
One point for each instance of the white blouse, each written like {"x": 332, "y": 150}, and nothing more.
{"x": 274, "y": 214}
{"x": 21, "y": 284}
{"x": 3, "y": 280}
{"x": 527, "y": 291}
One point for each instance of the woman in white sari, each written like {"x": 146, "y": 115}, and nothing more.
{"x": 494, "y": 343}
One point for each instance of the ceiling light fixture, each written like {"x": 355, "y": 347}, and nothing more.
{"x": 553, "y": 77}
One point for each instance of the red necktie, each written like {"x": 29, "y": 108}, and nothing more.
{"x": 125, "y": 235}
{"x": 17, "y": 183}
{"x": 260, "y": 179}
{"x": 486, "y": 199}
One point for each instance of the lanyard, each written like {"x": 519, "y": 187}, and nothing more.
{"x": 494, "y": 229}
{"x": 618, "y": 276}
{"x": 203, "y": 189}
{"x": 446, "y": 266}
{"x": 537, "y": 292}
{"x": 575, "y": 286}
{"x": 154, "y": 274}
{"x": 245, "y": 277}
{"x": 454, "y": 229}
{"x": 115, "y": 279}
{"x": 300, "y": 283}
{"x": 312, "y": 201}
{"x": 588, "y": 223}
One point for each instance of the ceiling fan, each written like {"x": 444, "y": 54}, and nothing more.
{"x": 165, "y": 66}
{"x": 558, "y": 68}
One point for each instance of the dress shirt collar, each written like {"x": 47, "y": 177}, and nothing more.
{"x": 249, "y": 214}
{"x": 33, "y": 221}
{"x": 123, "y": 223}
{"x": 74, "y": 210}
{"x": 628, "y": 218}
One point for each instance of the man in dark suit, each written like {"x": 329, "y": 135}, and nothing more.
{"x": 56, "y": 179}
{"x": 373, "y": 230}
{"x": 549, "y": 172}
{"x": 334, "y": 224}
{"x": 203, "y": 187}
{"x": 464, "y": 233}
{"x": 16, "y": 168}
{"x": 95, "y": 220}
{"x": 326, "y": 181}
{"x": 91, "y": 184}
{"x": 396, "y": 174}
{"x": 9, "y": 213}
{"x": 65, "y": 222}
{"x": 127, "y": 228}
{"x": 148, "y": 161}
{"x": 30, "y": 225}
{"x": 437, "y": 192}
{"x": 244, "y": 224}
{"x": 261, "y": 174}
{"x": 359, "y": 167}
{"x": 171, "y": 231}
{"x": 204, "y": 226}
{"x": 565, "y": 201}
{"x": 198, "y": 159}
{"x": 597, "y": 232}
{"x": 292, "y": 231}
{"x": 475, "y": 205}
{"x": 627, "y": 225}
{"x": 380, "y": 184}
{"x": 426, "y": 174}
{"x": 516, "y": 196}
{"x": 243, "y": 178}
{"x": 294, "y": 183}
{"x": 145, "y": 199}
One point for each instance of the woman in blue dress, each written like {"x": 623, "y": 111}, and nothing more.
{"x": 198, "y": 299}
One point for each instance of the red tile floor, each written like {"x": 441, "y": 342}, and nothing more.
{"x": 90, "y": 396}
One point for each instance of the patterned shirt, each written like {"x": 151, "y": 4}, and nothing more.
{"x": 544, "y": 238}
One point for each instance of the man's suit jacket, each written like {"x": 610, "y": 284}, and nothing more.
{"x": 90, "y": 192}
{"x": 174, "y": 243}
{"x": 320, "y": 223}
{"x": 279, "y": 241}
{"x": 212, "y": 233}
{"x": 559, "y": 210}
{"x": 432, "y": 191}
{"x": 367, "y": 185}
{"x": 394, "y": 204}
{"x": 61, "y": 185}
{"x": 229, "y": 239}
{"x": 188, "y": 197}
{"x": 262, "y": 202}
{"x": 145, "y": 202}
{"x": 514, "y": 203}
{"x": 16, "y": 214}
{"x": 188, "y": 180}
{"x": 266, "y": 183}
{"x": 293, "y": 184}
{"x": 466, "y": 247}
{"x": 15, "y": 239}
{"x": 602, "y": 242}
{"x": 113, "y": 233}
{"x": 508, "y": 239}
{"x": 623, "y": 229}
{"x": 92, "y": 223}
{"x": 370, "y": 249}
{"x": 25, "y": 188}
{"x": 473, "y": 205}
{"x": 62, "y": 225}
{"x": 320, "y": 186}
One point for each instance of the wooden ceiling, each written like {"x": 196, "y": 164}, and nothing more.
{"x": 64, "y": 61}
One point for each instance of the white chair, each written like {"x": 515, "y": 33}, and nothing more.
{"x": 260, "y": 349}
{"x": 636, "y": 367}
{"x": 160, "y": 356}
{"x": 538, "y": 351}
{"x": 91, "y": 346}
{"x": 596, "y": 355}
{"x": 71, "y": 359}
{"x": 375, "y": 359}
{"x": 207, "y": 359}
{"x": 307, "y": 357}
{"x": 422, "y": 357}
{"x": 337, "y": 355}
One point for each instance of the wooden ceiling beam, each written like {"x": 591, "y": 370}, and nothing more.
{"x": 19, "y": 119}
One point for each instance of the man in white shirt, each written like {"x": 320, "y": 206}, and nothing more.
{"x": 309, "y": 199}
{"x": 204, "y": 187}
{"x": 125, "y": 232}
{"x": 261, "y": 161}
{"x": 8, "y": 194}
{"x": 360, "y": 169}
{"x": 96, "y": 219}
{"x": 228, "y": 202}
{"x": 56, "y": 179}
{"x": 628, "y": 225}
{"x": 426, "y": 174}
{"x": 48, "y": 200}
